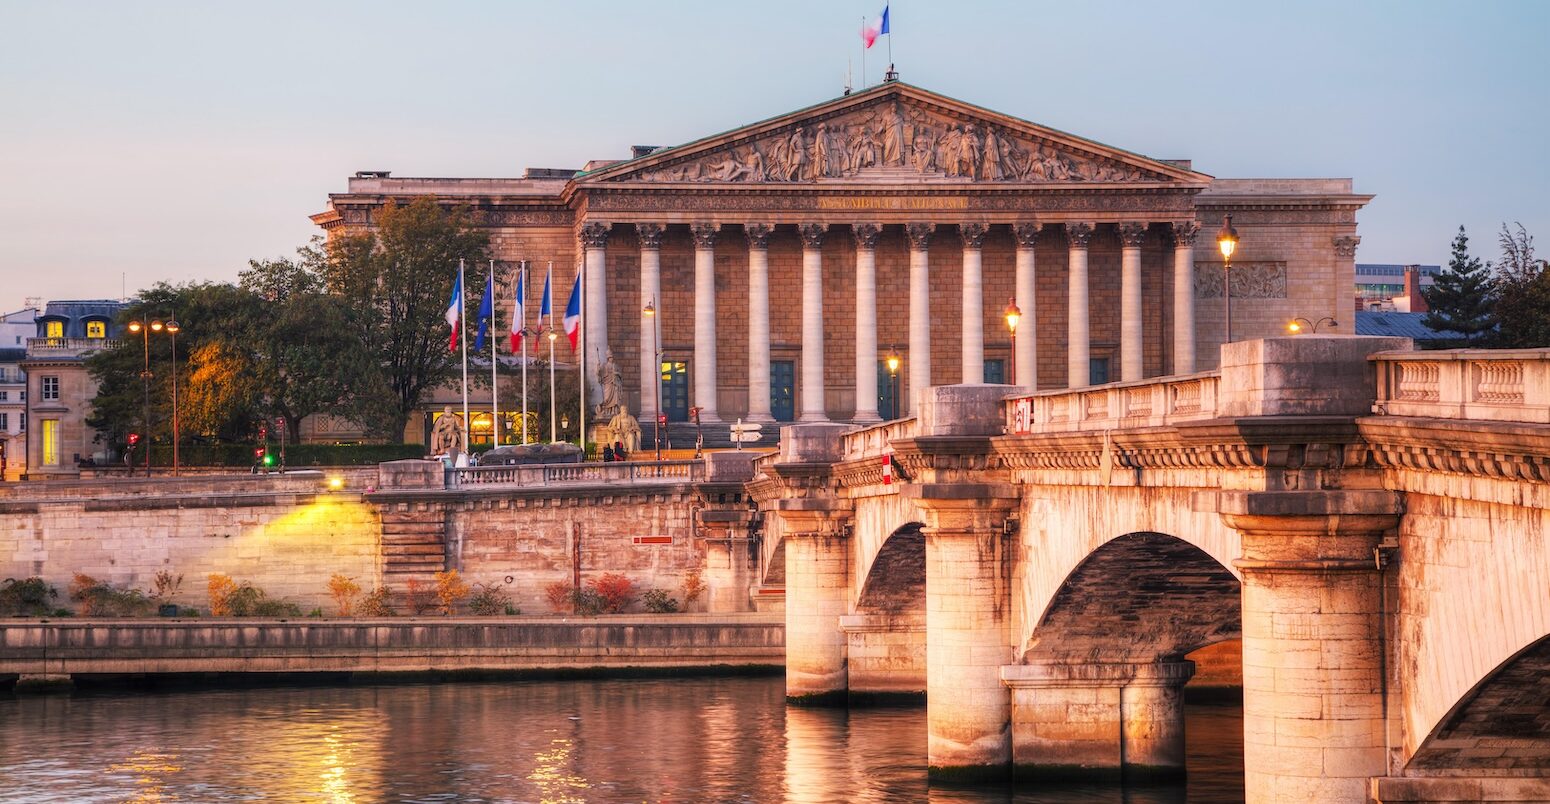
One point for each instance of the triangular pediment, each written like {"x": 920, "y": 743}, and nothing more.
{"x": 894, "y": 133}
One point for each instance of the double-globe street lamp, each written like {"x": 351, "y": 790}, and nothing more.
{"x": 172, "y": 328}
{"x": 1299, "y": 324}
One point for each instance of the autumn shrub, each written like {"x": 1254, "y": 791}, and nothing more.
{"x": 694, "y": 585}
{"x": 97, "y": 599}
{"x": 560, "y": 597}
{"x": 418, "y": 597}
{"x": 344, "y": 591}
{"x": 377, "y": 603}
{"x": 587, "y": 602}
{"x": 29, "y": 597}
{"x": 657, "y": 601}
{"x": 220, "y": 588}
{"x": 450, "y": 591}
{"x": 231, "y": 599}
{"x": 165, "y": 586}
{"x": 614, "y": 591}
{"x": 489, "y": 600}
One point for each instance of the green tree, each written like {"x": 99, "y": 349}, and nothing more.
{"x": 1460, "y": 296}
{"x": 396, "y": 280}
{"x": 1522, "y": 293}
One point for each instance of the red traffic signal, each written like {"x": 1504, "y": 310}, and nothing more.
{"x": 134, "y": 438}
{"x": 263, "y": 432}
{"x": 258, "y": 454}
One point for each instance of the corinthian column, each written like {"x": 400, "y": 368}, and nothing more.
{"x": 1078, "y": 329}
{"x": 973, "y": 312}
{"x": 650, "y": 235}
{"x": 705, "y": 320}
{"x": 1184, "y": 233}
{"x": 866, "y": 321}
{"x": 594, "y": 239}
{"x": 920, "y": 312}
{"x": 758, "y": 321}
{"x": 1027, "y": 357}
{"x": 812, "y": 322}
{"x": 1131, "y": 236}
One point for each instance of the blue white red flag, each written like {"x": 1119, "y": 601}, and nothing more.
{"x": 546, "y": 307}
{"x": 519, "y": 310}
{"x": 454, "y": 314}
{"x": 573, "y": 313}
{"x": 877, "y": 27}
{"x": 486, "y": 311}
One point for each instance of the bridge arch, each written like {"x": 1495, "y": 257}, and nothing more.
{"x": 1501, "y": 726}
{"x": 886, "y": 634}
{"x": 895, "y": 583}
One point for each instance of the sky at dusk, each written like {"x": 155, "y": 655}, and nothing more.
{"x": 148, "y": 141}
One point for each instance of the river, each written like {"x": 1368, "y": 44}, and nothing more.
{"x": 702, "y": 739}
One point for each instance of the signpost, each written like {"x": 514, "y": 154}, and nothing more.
{"x": 745, "y": 433}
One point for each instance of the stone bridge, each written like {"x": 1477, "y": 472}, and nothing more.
{"x": 1369, "y": 521}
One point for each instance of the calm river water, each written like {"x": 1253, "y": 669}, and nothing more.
{"x": 658, "y": 740}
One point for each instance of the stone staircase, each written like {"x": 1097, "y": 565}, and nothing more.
{"x": 680, "y": 435}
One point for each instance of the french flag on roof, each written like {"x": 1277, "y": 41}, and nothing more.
{"x": 877, "y": 27}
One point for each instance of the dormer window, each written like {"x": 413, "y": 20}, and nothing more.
{"x": 96, "y": 329}
{"x": 53, "y": 329}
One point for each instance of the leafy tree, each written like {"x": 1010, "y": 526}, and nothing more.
{"x": 396, "y": 280}
{"x": 1460, "y": 296}
{"x": 1522, "y": 293}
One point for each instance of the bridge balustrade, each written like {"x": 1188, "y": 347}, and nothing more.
{"x": 1510, "y": 385}
{"x": 1148, "y": 403}
{"x": 627, "y": 472}
{"x": 874, "y": 441}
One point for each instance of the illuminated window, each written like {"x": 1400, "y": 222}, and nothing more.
{"x": 96, "y": 329}
{"x": 5, "y": 421}
{"x": 50, "y": 387}
{"x": 50, "y": 442}
{"x": 54, "y": 329}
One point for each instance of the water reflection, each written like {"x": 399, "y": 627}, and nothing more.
{"x": 685, "y": 740}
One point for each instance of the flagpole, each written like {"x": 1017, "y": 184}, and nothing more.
{"x": 549, "y": 300}
{"x": 495, "y": 316}
{"x": 581, "y": 385}
{"x": 863, "y": 52}
{"x": 462, "y": 328}
{"x": 523, "y": 326}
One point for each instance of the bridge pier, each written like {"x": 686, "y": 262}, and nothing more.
{"x": 1312, "y": 647}
{"x": 1098, "y": 720}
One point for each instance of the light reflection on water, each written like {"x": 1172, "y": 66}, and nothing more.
{"x": 659, "y": 740}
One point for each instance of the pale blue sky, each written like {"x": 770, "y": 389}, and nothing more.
{"x": 164, "y": 140}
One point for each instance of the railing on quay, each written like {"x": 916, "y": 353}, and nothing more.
{"x": 1504, "y": 385}
{"x": 1147, "y": 403}
{"x": 552, "y": 474}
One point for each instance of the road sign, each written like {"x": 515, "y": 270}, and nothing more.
{"x": 750, "y": 427}
{"x": 743, "y": 438}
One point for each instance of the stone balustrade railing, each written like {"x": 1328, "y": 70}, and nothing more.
{"x": 1148, "y": 403}
{"x": 1508, "y": 385}
{"x": 551, "y": 474}
{"x": 870, "y": 442}
{"x": 67, "y": 347}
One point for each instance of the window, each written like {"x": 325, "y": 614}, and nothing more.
{"x": 96, "y": 329}
{"x": 54, "y": 329}
{"x": 5, "y": 396}
{"x": 995, "y": 371}
{"x": 50, "y": 388}
{"x": 22, "y": 418}
{"x": 1097, "y": 370}
{"x": 50, "y": 442}
{"x": 5, "y": 422}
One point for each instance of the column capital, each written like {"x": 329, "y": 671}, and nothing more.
{"x": 919, "y": 234}
{"x": 1346, "y": 246}
{"x": 866, "y": 234}
{"x": 594, "y": 234}
{"x": 812, "y": 234}
{"x": 1184, "y": 233}
{"x": 650, "y": 234}
{"x": 758, "y": 234}
{"x": 704, "y": 233}
{"x": 1027, "y": 233}
{"x": 1132, "y": 234}
{"x": 972, "y": 233}
{"x": 1077, "y": 234}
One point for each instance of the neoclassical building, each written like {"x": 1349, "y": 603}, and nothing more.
{"x": 786, "y": 260}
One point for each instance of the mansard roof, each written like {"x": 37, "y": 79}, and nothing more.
{"x": 894, "y": 133}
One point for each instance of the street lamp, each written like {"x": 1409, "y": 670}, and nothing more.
{"x": 173, "y": 328}
{"x": 1227, "y": 241}
{"x": 144, "y": 332}
{"x": 553, "y": 395}
{"x": 1013, "y": 315}
{"x": 650, "y": 312}
{"x": 893, "y": 381}
{"x": 1299, "y": 324}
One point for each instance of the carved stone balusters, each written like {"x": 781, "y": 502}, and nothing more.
{"x": 920, "y": 312}
{"x": 973, "y": 308}
{"x": 813, "y": 408}
{"x": 1184, "y": 233}
{"x": 758, "y": 235}
{"x": 866, "y": 321}
{"x": 705, "y": 392}
{"x": 1132, "y": 236}
{"x": 650, "y": 236}
{"x": 1078, "y": 318}
{"x": 1026, "y": 359}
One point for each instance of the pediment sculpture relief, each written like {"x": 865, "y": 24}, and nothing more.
{"x": 892, "y": 138}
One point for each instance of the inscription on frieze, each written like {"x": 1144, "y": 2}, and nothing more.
{"x": 1250, "y": 280}
{"x": 892, "y": 202}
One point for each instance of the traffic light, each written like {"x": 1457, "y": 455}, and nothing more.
{"x": 268, "y": 459}
{"x": 261, "y": 455}
{"x": 134, "y": 439}
{"x": 263, "y": 432}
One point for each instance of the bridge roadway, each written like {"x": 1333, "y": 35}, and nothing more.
{"x": 1369, "y": 521}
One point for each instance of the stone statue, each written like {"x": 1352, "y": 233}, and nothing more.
{"x": 447, "y": 434}
{"x": 625, "y": 429}
{"x": 992, "y": 163}
{"x": 818, "y": 159}
{"x": 893, "y": 138}
{"x": 612, "y": 388}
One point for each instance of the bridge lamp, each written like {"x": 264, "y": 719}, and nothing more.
{"x": 144, "y": 331}
{"x": 893, "y": 381}
{"x": 1227, "y": 241}
{"x": 1013, "y": 315}
{"x": 173, "y": 328}
{"x": 1300, "y": 324}
{"x": 650, "y": 312}
{"x": 335, "y": 483}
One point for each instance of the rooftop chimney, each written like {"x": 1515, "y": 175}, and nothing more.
{"x": 1414, "y": 302}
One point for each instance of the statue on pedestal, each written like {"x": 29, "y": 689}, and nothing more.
{"x": 447, "y": 437}
{"x": 625, "y": 429}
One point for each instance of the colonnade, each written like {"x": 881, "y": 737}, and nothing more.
{"x": 811, "y": 408}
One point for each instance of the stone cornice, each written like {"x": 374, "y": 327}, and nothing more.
{"x": 1491, "y": 450}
